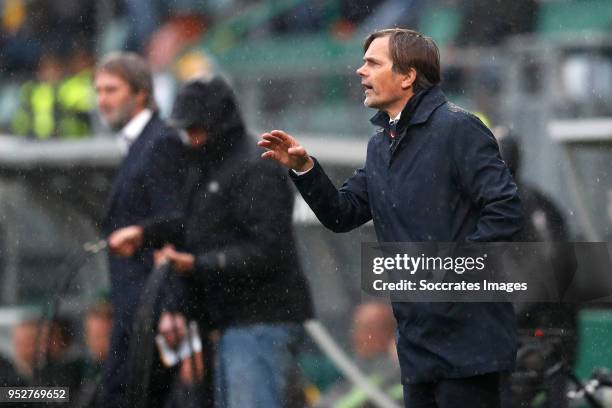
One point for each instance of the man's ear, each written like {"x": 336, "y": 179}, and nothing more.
{"x": 409, "y": 78}
{"x": 141, "y": 97}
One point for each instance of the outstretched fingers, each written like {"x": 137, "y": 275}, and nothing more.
{"x": 281, "y": 135}
{"x": 265, "y": 143}
{"x": 281, "y": 147}
{"x": 297, "y": 151}
{"x": 270, "y": 154}
{"x": 273, "y": 139}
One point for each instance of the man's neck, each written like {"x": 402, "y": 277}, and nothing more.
{"x": 399, "y": 106}
{"x": 136, "y": 111}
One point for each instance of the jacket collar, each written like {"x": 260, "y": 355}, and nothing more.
{"x": 418, "y": 109}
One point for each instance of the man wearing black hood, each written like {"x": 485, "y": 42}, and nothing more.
{"x": 236, "y": 244}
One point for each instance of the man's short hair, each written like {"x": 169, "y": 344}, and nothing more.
{"x": 134, "y": 70}
{"x": 411, "y": 49}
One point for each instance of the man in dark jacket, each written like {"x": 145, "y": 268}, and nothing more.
{"x": 432, "y": 173}
{"x": 236, "y": 245}
{"x": 148, "y": 185}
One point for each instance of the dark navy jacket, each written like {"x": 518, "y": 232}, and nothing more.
{"x": 148, "y": 185}
{"x": 440, "y": 179}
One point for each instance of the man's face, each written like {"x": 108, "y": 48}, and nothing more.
{"x": 197, "y": 136}
{"x": 373, "y": 329}
{"x": 117, "y": 102}
{"x": 24, "y": 341}
{"x": 384, "y": 88}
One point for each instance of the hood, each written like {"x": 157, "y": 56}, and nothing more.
{"x": 210, "y": 104}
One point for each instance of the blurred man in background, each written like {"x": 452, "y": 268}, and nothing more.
{"x": 39, "y": 107}
{"x": 59, "y": 103}
{"x": 549, "y": 332}
{"x": 97, "y": 326}
{"x": 64, "y": 365}
{"x": 30, "y": 339}
{"x": 148, "y": 185}
{"x": 373, "y": 330}
{"x": 236, "y": 246}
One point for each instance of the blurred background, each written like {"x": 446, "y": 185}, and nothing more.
{"x": 538, "y": 72}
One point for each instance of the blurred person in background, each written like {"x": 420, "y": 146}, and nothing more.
{"x": 372, "y": 331}
{"x": 433, "y": 173}
{"x": 556, "y": 323}
{"x": 45, "y": 355}
{"x": 373, "y": 328}
{"x": 60, "y": 102}
{"x": 38, "y": 111}
{"x": 165, "y": 46}
{"x": 236, "y": 246}
{"x": 19, "y": 45}
{"x": 30, "y": 339}
{"x": 31, "y": 28}
{"x": 148, "y": 185}
{"x": 144, "y": 16}
{"x": 97, "y": 327}
{"x": 76, "y": 93}
{"x": 64, "y": 365}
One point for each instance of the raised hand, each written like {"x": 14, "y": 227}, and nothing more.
{"x": 286, "y": 150}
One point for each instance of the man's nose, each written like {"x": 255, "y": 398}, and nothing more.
{"x": 361, "y": 71}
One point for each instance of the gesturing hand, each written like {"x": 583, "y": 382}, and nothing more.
{"x": 286, "y": 150}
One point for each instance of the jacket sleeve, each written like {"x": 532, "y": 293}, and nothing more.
{"x": 338, "y": 210}
{"x": 262, "y": 202}
{"x": 166, "y": 178}
{"x": 163, "y": 230}
{"x": 487, "y": 180}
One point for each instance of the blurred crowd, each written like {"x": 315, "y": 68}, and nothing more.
{"x": 61, "y": 352}
{"x": 68, "y": 353}
{"x": 47, "y": 48}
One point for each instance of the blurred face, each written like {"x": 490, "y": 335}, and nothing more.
{"x": 24, "y": 343}
{"x": 49, "y": 69}
{"x": 384, "y": 89}
{"x": 97, "y": 336}
{"x": 197, "y": 136}
{"x": 117, "y": 103}
{"x": 372, "y": 330}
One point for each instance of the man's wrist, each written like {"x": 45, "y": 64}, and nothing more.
{"x": 139, "y": 232}
{"x": 305, "y": 168}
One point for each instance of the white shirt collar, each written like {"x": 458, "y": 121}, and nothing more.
{"x": 395, "y": 119}
{"x": 134, "y": 127}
